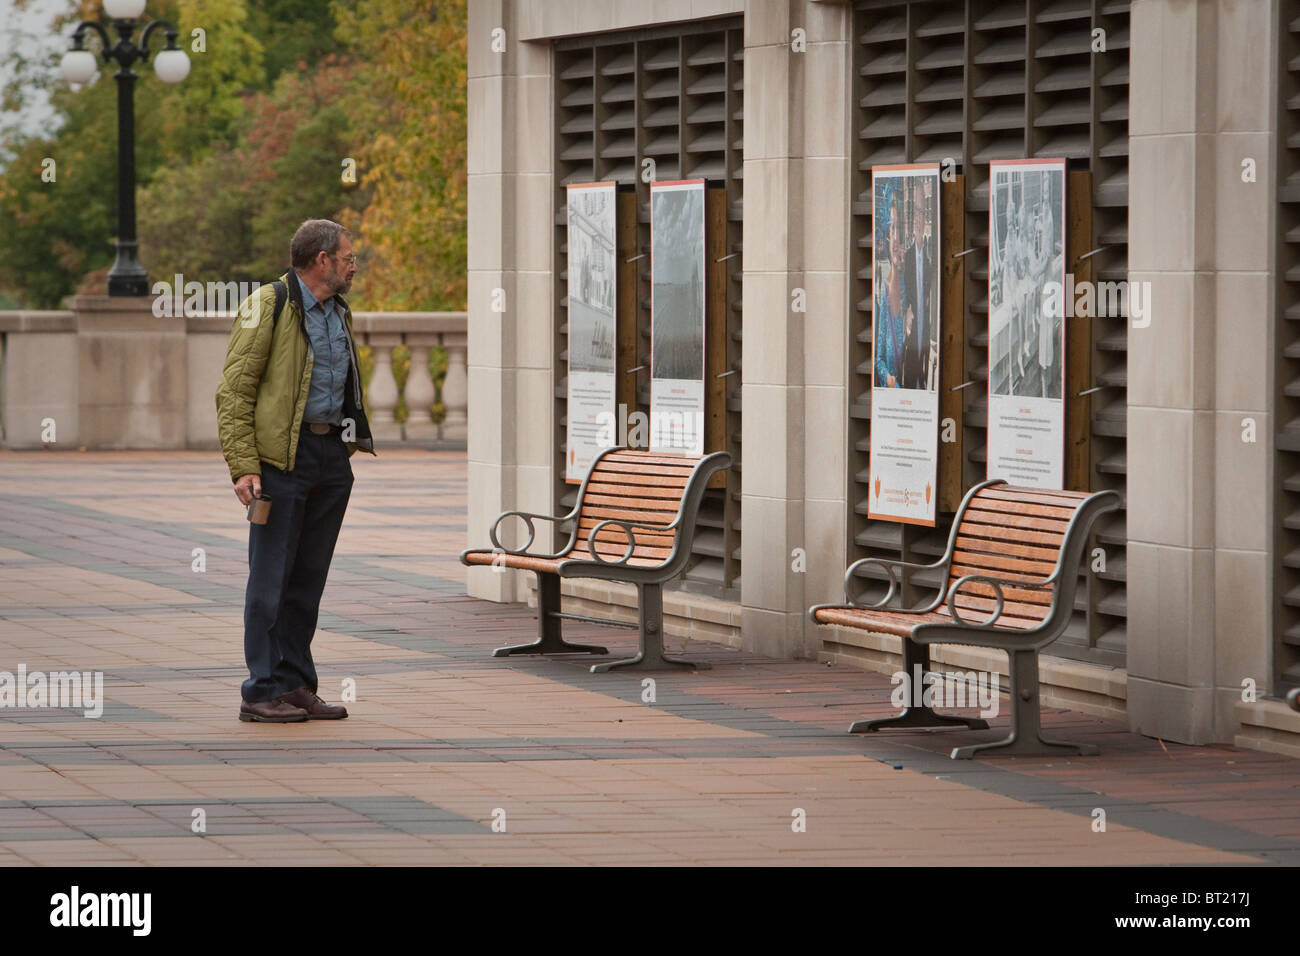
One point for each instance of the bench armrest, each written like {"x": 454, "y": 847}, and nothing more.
{"x": 528, "y": 517}
{"x": 996, "y": 583}
{"x": 889, "y": 564}
{"x": 627, "y": 527}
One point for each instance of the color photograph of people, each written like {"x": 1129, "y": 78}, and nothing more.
{"x": 1026, "y": 251}
{"x": 906, "y": 281}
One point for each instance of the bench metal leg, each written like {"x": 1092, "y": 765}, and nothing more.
{"x": 651, "y": 654}
{"x": 1026, "y": 723}
{"x": 918, "y": 716}
{"x": 549, "y": 638}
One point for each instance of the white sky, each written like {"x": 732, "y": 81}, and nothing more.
{"x": 30, "y": 30}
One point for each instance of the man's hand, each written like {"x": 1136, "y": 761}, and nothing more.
{"x": 247, "y": 488}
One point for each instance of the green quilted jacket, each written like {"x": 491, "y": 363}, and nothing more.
{"x": 263, "y": 389}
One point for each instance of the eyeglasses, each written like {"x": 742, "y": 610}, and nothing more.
{"x": 350, "y": 260}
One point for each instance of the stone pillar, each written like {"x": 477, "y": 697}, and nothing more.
{"x": 207, "y": 340}
{"x": 132, "y": 373}
{"x": 492, "y": 180}
{"x": 1202, "y": 98}
{"x": 825, "y": 106}
{"x": 38, "y": 379}
{"x": 772, "y": 593}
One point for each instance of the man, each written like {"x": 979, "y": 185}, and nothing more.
{"x": 1011, "y": 295}
{"x": 290, "y": 415}
{"x": 889, "y": 334}
{"x": 916, "y": 279}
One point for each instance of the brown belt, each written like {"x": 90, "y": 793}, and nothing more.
{"x": 322, "y": 429}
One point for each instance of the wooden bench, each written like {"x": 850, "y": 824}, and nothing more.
{"x": 1009, "y": 577}
{"x": 634, "y": 521}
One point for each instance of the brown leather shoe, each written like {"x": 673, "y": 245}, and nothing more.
{"x": 316, "y": 708}
{"x": 276, "y": 711}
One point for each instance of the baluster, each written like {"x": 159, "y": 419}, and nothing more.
{"x": 420, "y": 392}
{"x": 455, "y": 390}
{"x": 381, "y": 398}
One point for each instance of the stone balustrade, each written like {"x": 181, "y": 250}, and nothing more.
{"x": 108, "y": 373}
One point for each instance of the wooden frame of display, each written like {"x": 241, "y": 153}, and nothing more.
{"x": 629, "y": 279}
{"x": 952, "y": 335}
{"x": 715, "y": 326}
{"x": 1078, "y": 335}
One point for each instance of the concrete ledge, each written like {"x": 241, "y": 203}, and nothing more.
{"x": 38, "y": 321}
{"x": 1069, "y": 685}
{"x": 408, "y": 322}
{"x": 1268, "y": 725}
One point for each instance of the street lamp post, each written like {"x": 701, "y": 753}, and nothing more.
{"x": 127, "y": 276}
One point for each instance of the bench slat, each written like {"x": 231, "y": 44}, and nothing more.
{"x": 1028, "y": 522}
{"x": 1045, "y": 546}
{"x": 663, "y": 510}
{"x": 634, "y": 457}
{"x": 601, "y": 512}
{"x": 647, "y": 491}
{"x": 1019, "y": 508}
{"x": 1003, "y": 564}
{"x": 663, "y": 506}
{"x": 639, "y": 481}
{"x": 1008, "y": 618}
{"x": 1070, "y": 499}
{"x": 1041, "y": 595}
{"x": 634, "y": 470}
{"x": 1034, "y": 612}
{"x": 662, "y": 542}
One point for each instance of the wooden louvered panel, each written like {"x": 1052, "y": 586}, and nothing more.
{"x": 674, "y": 96}
{"x": 1026, "y": 84}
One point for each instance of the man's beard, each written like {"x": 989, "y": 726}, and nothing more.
{"x": 340, "y": 283}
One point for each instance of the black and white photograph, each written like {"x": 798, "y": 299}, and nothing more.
{"x": 677, "y": 262}
{"x": 1026, "y": 252}
{"x": 591, "y": 278}
{"x": 592, "y": 401}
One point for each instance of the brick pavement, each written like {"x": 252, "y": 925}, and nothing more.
{"x": 97, "y": 574}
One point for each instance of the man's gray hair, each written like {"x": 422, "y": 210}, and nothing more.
{"x": 315, "y": 236}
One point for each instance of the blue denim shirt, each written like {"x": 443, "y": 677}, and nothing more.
{"x": 329, "y": 371}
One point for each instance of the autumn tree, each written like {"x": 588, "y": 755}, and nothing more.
{"x": 410, "y": 105}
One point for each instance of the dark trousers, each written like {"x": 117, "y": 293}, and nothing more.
{"x": 288, "y": 560}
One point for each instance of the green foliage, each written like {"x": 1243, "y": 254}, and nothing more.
{"x": 53, "y": 233}
{"x": 230, "y": 161}
{"x": 301, "y": 135}
{"x": 206, "y": 110}
{"x": 410, "y": 105}
{"x": 401, "y": 358}
{"x": 438, "y": 370}
{"x": 293, "y": 32}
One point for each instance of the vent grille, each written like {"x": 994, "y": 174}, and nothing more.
{"x": 676, "y": 96}
{"x": 972, "y": 82}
